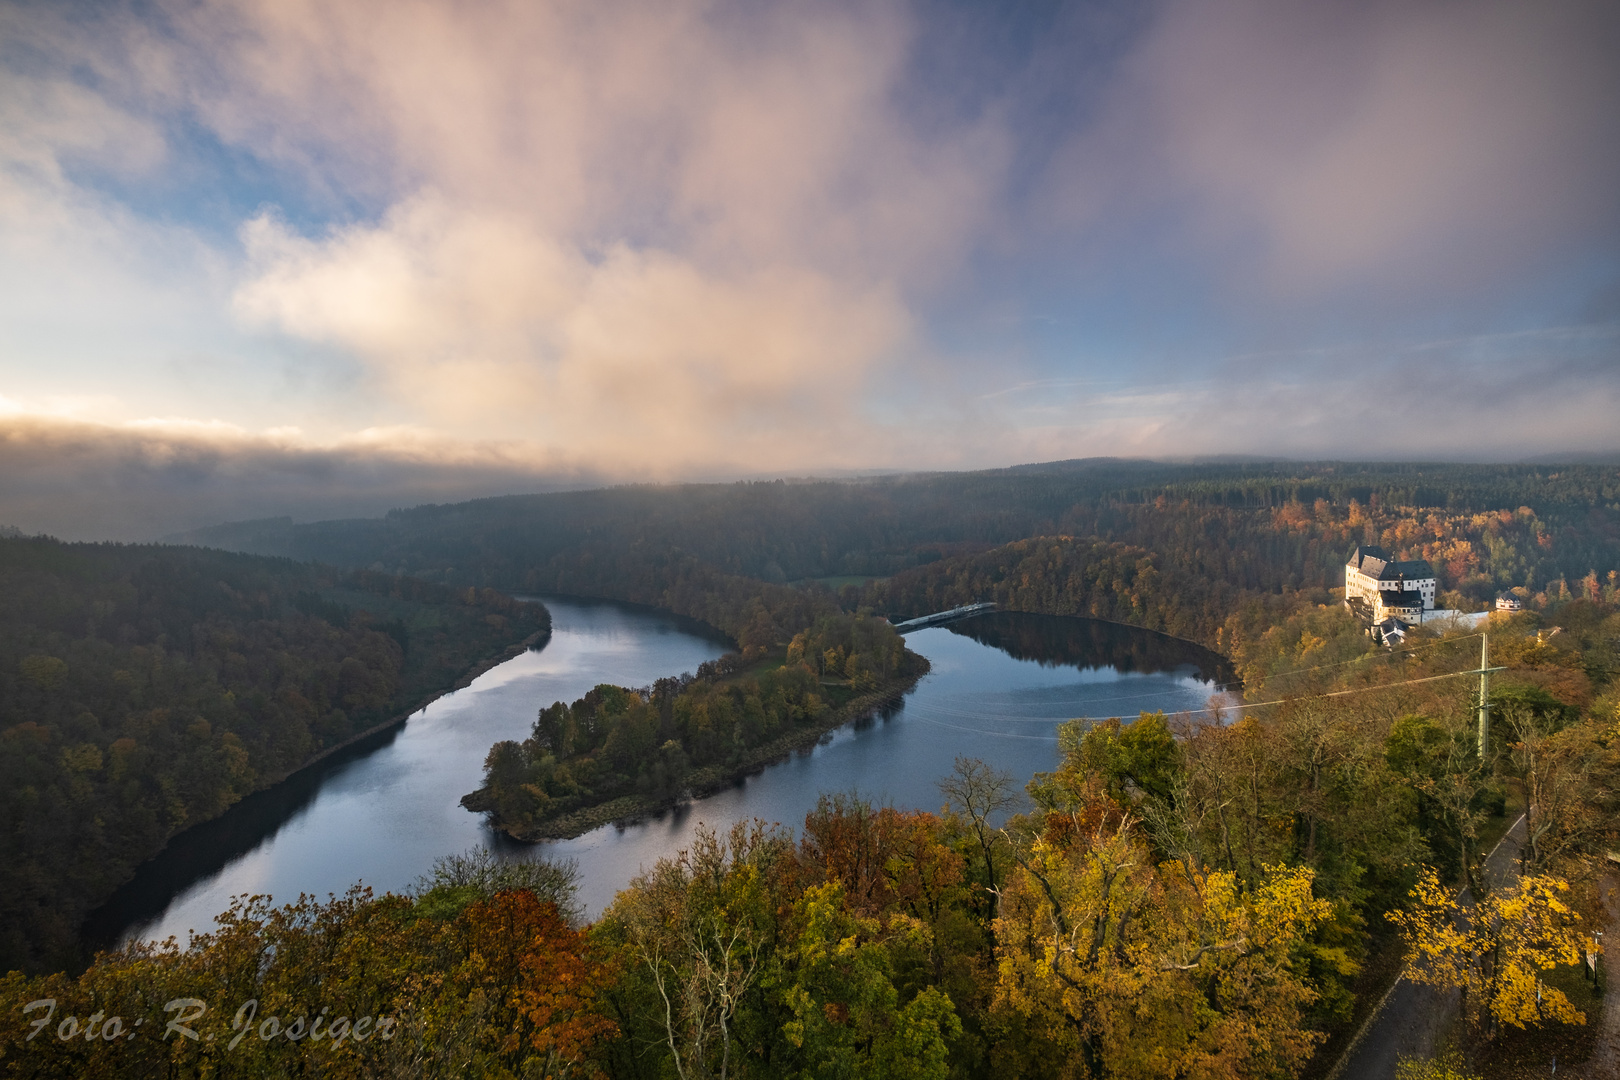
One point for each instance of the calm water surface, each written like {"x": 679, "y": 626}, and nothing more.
{"x": 999, "y": 687}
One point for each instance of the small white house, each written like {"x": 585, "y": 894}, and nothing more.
{"x": 1508, "y": 602}
{"x": 1390, "y": 632}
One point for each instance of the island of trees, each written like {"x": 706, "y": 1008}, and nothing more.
{"x": 618, "y": 753}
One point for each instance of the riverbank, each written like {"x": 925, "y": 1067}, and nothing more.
{"x": 631, "y": 809}
{"x": 233, "y": 831}
{"x": 488, "y": 663}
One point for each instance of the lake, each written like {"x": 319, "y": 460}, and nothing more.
{"x": 383, "y": 811}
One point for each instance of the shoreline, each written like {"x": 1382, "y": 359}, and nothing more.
{"x": 633, "y": 809}
{"x": 487, "y": 664}
{"x": 88, "y": 938}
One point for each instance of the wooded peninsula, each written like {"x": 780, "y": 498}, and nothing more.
{"x": 618, "y": 754}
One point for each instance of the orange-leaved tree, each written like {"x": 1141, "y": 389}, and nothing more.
{"x": 539, "y": 981}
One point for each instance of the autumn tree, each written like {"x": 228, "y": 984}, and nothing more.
{"x": 1141, "y": 967}
{"x": 1143, "y": 970}
{"x": 1495, "y": 948}
{"x": 980, "y": 792}
{"x": 697, "y": 928}
{"x": 537, "y": 982}
{"x": 847, "y": 1017}
{"x": 457, "y": 981}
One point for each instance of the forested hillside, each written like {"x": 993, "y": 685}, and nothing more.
{"x": 144, "y": 689}
{"x": 1212, "y": 895}
{"x": 1064, "y": 576}
{"x": 1218, "y": 532}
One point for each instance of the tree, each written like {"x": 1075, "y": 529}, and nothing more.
{"x": 981, "y": 792}
{"x": 1495, "y": 949}
{"x": 1570, "y": 776}
{"x": 537, "y": 981}
{"x": 697, "y": 926}
{"x": 1442, "y": 764}
{"x": 1139, "y": 970}
{"x": 847, "y": 1019}
{"x": 1139, "y": 758}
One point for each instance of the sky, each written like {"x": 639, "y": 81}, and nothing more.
{"x": 324, "y": 258}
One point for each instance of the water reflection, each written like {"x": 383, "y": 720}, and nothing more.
{"x": 201, "y": 852}
{"x": 1065, "y": 641}
{"x": 999, "y": 686}
{"x": 382, "y": 813}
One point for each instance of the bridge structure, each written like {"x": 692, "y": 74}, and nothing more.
{"x": 939, "y": 618}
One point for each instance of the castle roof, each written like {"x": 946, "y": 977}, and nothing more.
{"x": 1368, "y": 551}
{"x": 1376, "y": 563}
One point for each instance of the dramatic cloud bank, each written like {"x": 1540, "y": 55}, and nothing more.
{"x": 533, "y": 243}
{"x": 482, "y": 322}
{"x": 145, "y": 481}
{"x": 1432, "y": 149}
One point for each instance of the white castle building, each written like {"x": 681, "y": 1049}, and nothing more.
{"x": 1381, "y": 588}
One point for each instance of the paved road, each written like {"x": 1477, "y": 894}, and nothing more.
{"x": 1412, "y": 1016}
{"x": 1606, "y": 1057}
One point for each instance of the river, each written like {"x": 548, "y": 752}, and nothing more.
{"x": 381, "y": 814}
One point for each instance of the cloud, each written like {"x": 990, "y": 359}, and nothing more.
{"x": 480, "y": 321}
{"x": 1495, "y": 397}
{"x": 686, "y": 233}
{"x": 149, "y": 478}
{"x": 1394, "y": 146}
{"x": 497, "y": 241}
{"x": 738, "y": 134}
{"x": 145, "y": 479}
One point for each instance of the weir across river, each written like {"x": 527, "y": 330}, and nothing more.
{"x": 939, "y": 618}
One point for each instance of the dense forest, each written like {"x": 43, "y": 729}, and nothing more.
{"x": 1063, "y": 576}
{"x": 1205, "y": 896}
{"x": 1219, "y": 534}
{"x": 144, "y": 689}
{"x": 631, "y": 751}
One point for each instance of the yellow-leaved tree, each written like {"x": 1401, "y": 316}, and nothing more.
{"x": 1495, "y": 949}
{"x": 1136, "y": 969}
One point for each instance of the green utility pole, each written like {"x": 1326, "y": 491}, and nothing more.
{"x": 1484, "y": 673}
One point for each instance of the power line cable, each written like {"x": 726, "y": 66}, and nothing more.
{"x": 1356, "y": 690}
{"x": 1374, "y": 656}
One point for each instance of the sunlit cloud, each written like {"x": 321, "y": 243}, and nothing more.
{"x": 511, "y": 243}
{"x": 479, "y": 320}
